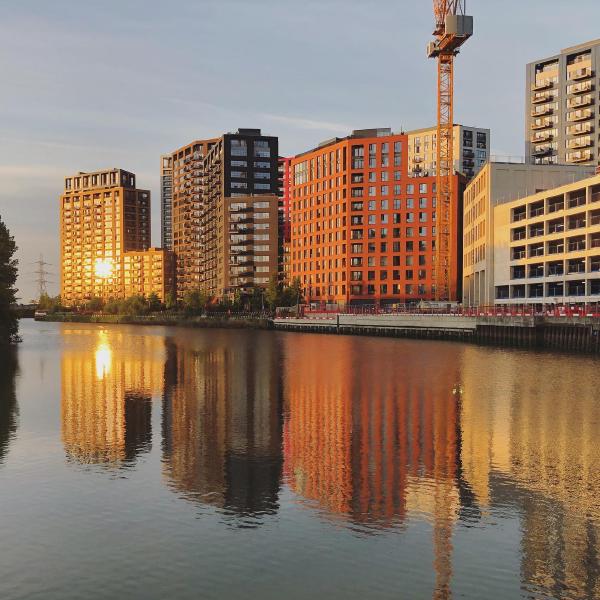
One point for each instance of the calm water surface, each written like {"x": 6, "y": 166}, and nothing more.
{"x": 166, "y": 463}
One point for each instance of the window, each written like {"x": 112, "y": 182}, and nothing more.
{"x": 372, "y": 191}
{"x": 261, "y": 149}
{"x": 385, "y": 190}
{"x": 397, "y": 175}
{"x": 410, "y": 203}
{"x": 422, "y": 188}
{"x": 262, "y": 175}
{"x": 238, "y": 148}
{"x": 384, "y": 205}
{"x": 372, "y": 205}
{"x": 397, "y": 204}
{"x": 240, "y": 163}
{"x": 422, "y": 202}
{"x": 262, "y": 186}
{"x": 262, "y": 165}
{"x": 238, "y": 185}
{"x": 410, "y": 188}
{"x": 372, "y": 176}
{"x": 422, "y": 217}
{"x": 481, "y": 139}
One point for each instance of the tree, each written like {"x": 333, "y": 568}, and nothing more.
{"x": 171, "y": 301}
{"x": 50, "y": 304}
{"x": 134, "y": 306}
{"x": 195, "y": 301}
{"x": 95, "y": 304}
{"x": 154, "y": 303}
{"x": 9, "y": 324}
{"x": 273, "y": 292}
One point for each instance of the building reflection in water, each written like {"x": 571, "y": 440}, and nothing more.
{"x": 378, "y": 435}
{"x": 107, "y": 387}
{"x": 9, "y": 410}
{"x": 222, "y": 421}
{"x": 534, "y": 444}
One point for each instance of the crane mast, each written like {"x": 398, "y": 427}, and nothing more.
{"x": 452, "y": 29}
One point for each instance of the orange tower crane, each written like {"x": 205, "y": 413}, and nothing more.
{"x": 452, "y": 29}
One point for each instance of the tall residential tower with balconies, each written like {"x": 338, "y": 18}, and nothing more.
{"x": 239, "y": 214}
{"x": 562, "y": 117}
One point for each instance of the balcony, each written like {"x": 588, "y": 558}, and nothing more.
{"x": 575, "y": 266}
{"x": 580, "y": 129}
{"x": 581, "y": 156}
{"x": 536, "y": 271}
{"x": 536, "y": 210}
{"x": 518, "y": 272}
{"x": 536, "y": 250}
{"x": 541, "y": 111}
{"x": 580, "y": 74}
{"x": 582, "y": 142}
{"x": 541, "y": 124}
{"x": 519, "y": 234}
{"x": 542, "y": 151}
{"x": 518, "y": 253}
{"x": 542, "y": 97}
{"x": 556, "y": 226}
{"x": 536, "y": 230}
{"x": 545, "y": 136}
{"x": 580, "y": 101}
{"x": 556, "y": 204}
{"x": 577, "y": 221}
{"x": 579, "y": 115}
{"x": 556, "y": 247}
{"x": 542, "y": 84}
{"x": 519, "y": 214}
{"x": 580, "y": 88}
{"x": 556, "y": 269}
{"x": 576, "y": 244}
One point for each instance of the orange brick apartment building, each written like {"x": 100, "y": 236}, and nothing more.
{"x": 362, "y": 230}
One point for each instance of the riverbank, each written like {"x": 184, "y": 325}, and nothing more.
{"x": 174, "y": 320}
{"x": 564, "y": 334}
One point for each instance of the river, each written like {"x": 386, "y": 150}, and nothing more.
{"x": 154, "y": 462}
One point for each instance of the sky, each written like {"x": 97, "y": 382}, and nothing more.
{"x": 94, "y": 84}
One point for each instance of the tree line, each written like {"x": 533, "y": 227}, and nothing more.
{"x": 195, "y": 302}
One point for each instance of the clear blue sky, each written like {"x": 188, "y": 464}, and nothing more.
{"x": 91, "y": 84}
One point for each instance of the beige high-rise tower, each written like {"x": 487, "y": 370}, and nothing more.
{"x": 103, "y": 218}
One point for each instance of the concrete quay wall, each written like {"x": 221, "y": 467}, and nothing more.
{"x": 561, "y": 334}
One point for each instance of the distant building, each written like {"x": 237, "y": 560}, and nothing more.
{"x": 471, "y": 150}
{"x": 166, "y": 202}
{"x": 149, "y": 271}
{"x": 363, "y": 232}
{"x": 188, "y": 170}
{"x": 104, "y": 217}
{"x": 240, "y": 213}
{"x": 285, "y": 223}
{"x": 498, "y": 183}
{"x": 547, "y": 246}
{"x": 562, "y": 107}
